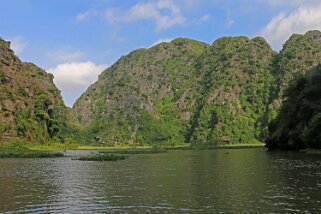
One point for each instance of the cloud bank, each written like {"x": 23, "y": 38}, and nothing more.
{"x": 165, "y": 13}
{"x": 65, "y": 55}
{"x": 75, "y": 78}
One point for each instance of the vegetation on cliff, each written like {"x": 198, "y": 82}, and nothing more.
{"x": 183, "y": 92}
{"x": 298, "y": 124}
{"x": 297, "y": 68}
{"x": 31, "y": 107}
{"x": 173, "y": 93}
{"x": 189, "y": 92}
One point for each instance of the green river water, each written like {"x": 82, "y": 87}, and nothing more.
{"x": 213, "y": 181}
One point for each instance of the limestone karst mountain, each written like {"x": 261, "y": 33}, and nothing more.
{"x": 31, "y": 107}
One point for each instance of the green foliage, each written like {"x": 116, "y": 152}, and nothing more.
{"x": 48, "y": 116}
{"x": 156, "y": 131}
{"x": 312, "y": 134}
{"x": 23, "y": 121}
{"x": 181, "y": 92}
{"x": 30, "y": 154}
{"x": 232, "y": 107}
{"x": 154, "y": 150}
{"x": 2, "y": 76}
{"x": 42, "y": 103}
{"x": 298, "y": 124}
{"x": 29, "y": 118}
{"x": 300, "y": 53}
{"x": 103, "y": 157}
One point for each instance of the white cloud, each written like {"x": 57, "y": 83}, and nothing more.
{"x": 83, "y": 16}
{"x": 18, "y": 44}
{"x": 229, "y": 22}
{"x": 165, "y": 13}
{"x": 161, "y": 41}
{"x": 276, "y": 3}
{"x": 204, "y": 18}
{"x": 76, "y": 76}
{"x": 191, "y": 4}
{"x": 80, "y": 17}
{"x": 65, "y": 55}
{"x": 304, "y": 18}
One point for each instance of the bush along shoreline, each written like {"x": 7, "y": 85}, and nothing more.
{"x": 102, "y": 157}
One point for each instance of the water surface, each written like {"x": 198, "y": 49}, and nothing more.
{"x": 217, "y": 181}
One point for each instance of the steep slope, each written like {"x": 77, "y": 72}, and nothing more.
{"x": 301, "y": 53}
{"x": 298, "y": 124}
{"x": 187, "y": 91}
{"x": 31, "y": 108}
{"x": 237, "y": 83}
{"x": 143, "y": 98}
{"x": 183, "y": 91}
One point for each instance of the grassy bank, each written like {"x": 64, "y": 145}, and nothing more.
{"x": 59, "y": 146}
{"x": 28, "y": 154}
{"x": 229, "y": 146}
{"x": 52, "y": 146}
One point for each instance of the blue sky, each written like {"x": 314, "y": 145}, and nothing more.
{"x": 77, "y": 39}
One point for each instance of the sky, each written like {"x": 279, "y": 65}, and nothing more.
{"x": 78, "y": 39}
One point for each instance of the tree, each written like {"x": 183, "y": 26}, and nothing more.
{"x": 2, "y": 130}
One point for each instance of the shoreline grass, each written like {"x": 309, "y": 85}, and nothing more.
{"x": 135, "y": 151}
{"x": 27, "y": 154}
{"x": 102, "y": 157}
{"x": 123, "y": 148}
{"x": 230, "y": 146}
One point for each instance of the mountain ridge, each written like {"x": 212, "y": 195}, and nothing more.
{"x": 235, "y": 91}
{"x": 177, "y": 92}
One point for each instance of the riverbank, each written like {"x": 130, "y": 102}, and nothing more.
{"x": 60, "y": 147}
{"x": 30, "y": 154}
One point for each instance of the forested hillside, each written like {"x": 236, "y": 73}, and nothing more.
{"x": 189, "y": 92}
{"x": 298, "y": 125}
{"x": 233, "y": 93}
{"x": 183, "y": 92}
{"x": 31, "y": 107}
{"x": 145, "y": 97}
{"x": 179, "y": 92}
{"x": 297, "y": 66}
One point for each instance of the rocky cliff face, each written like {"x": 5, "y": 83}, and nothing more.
{"x": 235, "y": 88}
{"x": 145, "y": 96}
{"x": 183, "y": 91}
{"x": 31, "y": 107}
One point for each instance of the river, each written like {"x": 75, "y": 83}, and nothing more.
{"x": 213, "y": 181}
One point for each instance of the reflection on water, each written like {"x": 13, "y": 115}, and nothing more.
{"x": 226, "y": 181}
